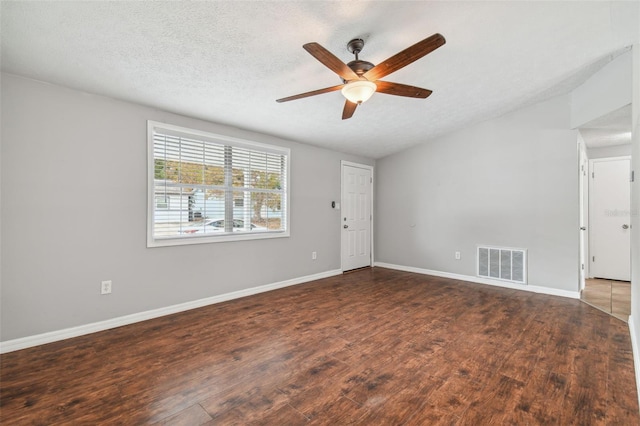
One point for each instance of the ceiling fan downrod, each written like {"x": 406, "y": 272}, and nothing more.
{"x": 359, "y": 67}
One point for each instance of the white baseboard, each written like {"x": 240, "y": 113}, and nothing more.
{"x": 636, "y": 354}
{"x": 497, "y": 283}
{"x": 67, "y": 333}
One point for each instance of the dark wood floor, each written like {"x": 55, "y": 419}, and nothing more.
{"x": 371, "y": 347}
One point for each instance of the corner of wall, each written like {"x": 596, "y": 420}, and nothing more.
{"x": 634, "y": 319}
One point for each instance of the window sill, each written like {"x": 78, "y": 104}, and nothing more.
{"x": 206, "y": 239}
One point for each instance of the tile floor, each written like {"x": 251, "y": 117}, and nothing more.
{"x": 610, "y": 296}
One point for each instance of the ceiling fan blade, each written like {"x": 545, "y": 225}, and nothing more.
{"x": 312, "y": 93}
{"x": 330, "y": 61}
{"x": 401, "y": 90}
{"x": 349, "y": 109}
{"x": 404, "y": 58}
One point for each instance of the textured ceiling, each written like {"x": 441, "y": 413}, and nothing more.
{"x": 228, "y": 62}
{"x": 609, "y": 130}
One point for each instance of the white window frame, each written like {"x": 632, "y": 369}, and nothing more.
{"x": 177, "y": 240}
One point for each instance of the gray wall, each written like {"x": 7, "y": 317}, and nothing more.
{"x": 510, "y": 182}
{"x": 74, "y": 213}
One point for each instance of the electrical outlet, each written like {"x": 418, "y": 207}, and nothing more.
{"x": 457, "y": 255}
{"x": 314, "y": 255}
{"x": 105, "y": 288}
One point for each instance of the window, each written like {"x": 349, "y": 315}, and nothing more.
{"x": 208, "y": 188}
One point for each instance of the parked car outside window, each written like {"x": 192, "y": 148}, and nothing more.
{"x": 217, "y": 225}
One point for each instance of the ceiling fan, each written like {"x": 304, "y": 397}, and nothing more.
{"x": 360, "y": 78}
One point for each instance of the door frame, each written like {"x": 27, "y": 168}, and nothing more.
{"x": 344, "y": 163}
{"x": 590, "y": 201}
{"x": 583, "y": 179}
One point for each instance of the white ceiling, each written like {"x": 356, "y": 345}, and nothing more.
{"x": 609, "y": 130}
{"x": 228, "y": 62}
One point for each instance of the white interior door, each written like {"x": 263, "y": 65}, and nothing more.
{"x": 356, "y": 216}
{"x": 609, "y": 219}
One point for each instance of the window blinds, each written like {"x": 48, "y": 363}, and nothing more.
{"x": 210, "y": 186}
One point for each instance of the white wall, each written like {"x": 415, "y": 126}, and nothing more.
{"x": 63, "y": 148}
{"x": 606, "y": 91}
{"x": 511, "y": 182}
{"x": 635, "y": 214}
{"x": 609, "y": 151}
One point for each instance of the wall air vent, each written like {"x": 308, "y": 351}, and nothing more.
{"x": 501, "y": 263}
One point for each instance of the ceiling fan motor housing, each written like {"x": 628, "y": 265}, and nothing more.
{"x": 359, "y": 67}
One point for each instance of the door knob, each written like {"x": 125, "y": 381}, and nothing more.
{"x": 346, "y": 226}
{"x": 625, "y": 226}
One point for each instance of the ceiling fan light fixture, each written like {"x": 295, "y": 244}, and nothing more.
{"x": 359, "y": 91}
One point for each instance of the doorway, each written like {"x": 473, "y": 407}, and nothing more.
{"x": 609, "y": 218}
{"x": 605, "y": 260}
{"x": 608, "y": 287}
{"x": 356, "y": 219}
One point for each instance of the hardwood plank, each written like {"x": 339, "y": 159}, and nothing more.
{"x": 533, "y": 407}
{"x": 315, "y": 386}
{"x": 247, "y": 406}
{"x": 454, "y": 395}
{"x": 192, "y": 416}
{"x": 371, "y": 347}
{"x": 343, "y": 411}
{"x": 622, "y": 405}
